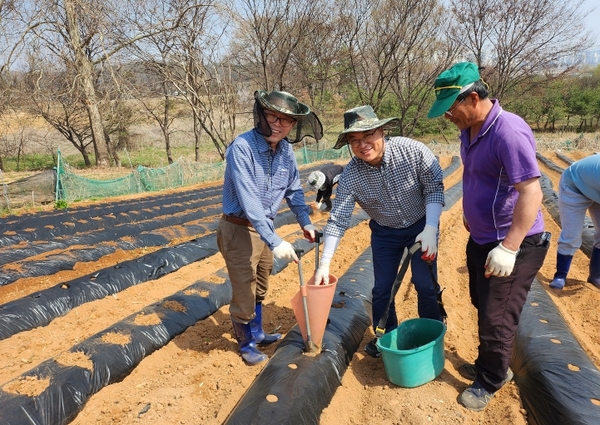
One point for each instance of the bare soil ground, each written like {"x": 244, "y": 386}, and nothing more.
{"x": 198, "y": 377}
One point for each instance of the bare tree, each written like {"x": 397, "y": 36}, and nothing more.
{"x": 320, "y": 59}
{"x": 204, "y": 78}
{"x": 367, "y": 47}
{"x": 88, "y": 33}
{"x": 14, "y": 26}
{"x": 12, "y": 32}
{"x": 156, "y": 95}
{"x": 118, "y": 114}
{"x": 52, "y": 97}
{"x": 423, "y": 52}
{"x": 516, "y": 41}
{"x": 190, "y": 60}
{"x": 387, "y": 41}
{"x": 269, "y": 33}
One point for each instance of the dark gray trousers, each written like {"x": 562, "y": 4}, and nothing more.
{"x": 499, "y": 302}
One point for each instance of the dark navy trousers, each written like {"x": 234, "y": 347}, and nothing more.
{"x": 387, "y": 246}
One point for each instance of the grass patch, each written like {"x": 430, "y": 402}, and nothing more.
{"x": 29, "y": 162}
{"x": 61, "y": 204}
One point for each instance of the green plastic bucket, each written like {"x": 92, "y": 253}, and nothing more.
{"x": 413, "y": 353}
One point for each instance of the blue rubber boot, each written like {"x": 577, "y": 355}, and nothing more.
{"x": 258, "y": 333}
{"x": 563, "y": 263}
{"x": 594, "y": 277}
{"x": 247, "y": 344}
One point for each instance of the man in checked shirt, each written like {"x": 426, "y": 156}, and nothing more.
{"x": 261, "y": 172}
{"x": 399, "y": 183}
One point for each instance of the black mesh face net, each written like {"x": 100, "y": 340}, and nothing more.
{"x": 306, "y": 125}
{"x": 260, "y": 120}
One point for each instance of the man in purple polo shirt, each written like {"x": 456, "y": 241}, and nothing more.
{"x": 501, "y": 204}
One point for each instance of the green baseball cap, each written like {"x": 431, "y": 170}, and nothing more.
{"x": 450, "y": 83}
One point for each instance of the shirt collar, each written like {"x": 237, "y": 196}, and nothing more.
{"x": 386, "y": 153}
{"x": 488, "y": 123}
{"x": 491, "y": 118}
{"x": 261, "y": 143}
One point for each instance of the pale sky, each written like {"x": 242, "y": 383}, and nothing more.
{"x": 592, "y": 20}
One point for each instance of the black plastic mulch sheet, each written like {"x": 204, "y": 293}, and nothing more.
{"x": 101, "y": 243}
{"x": 57, "y": 223}
{"x": 282, "y": 394}
{"x": 548, "y": 163}
{"x": 452, "y": 195}
{"x": 568, "y": 161}
{"x": 40, "y": 308}
{"x": 558, "y": 383}
{"x": 71, "y": 386}
{"x": 454, "y": 164}
{"x": 102, "y": 229}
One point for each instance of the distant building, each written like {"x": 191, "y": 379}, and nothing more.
{"x": 587, "y": 58}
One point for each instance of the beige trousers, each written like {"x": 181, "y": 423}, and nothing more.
{"x": 249, "y": 264}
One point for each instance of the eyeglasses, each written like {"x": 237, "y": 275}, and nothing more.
{"x": 449, "y": 111}
{"x": 284, "y": 121}
{"x": 367, "y": 138}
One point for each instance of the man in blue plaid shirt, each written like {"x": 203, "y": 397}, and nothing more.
{"x": 398, "y": 182}
{"x": 261, "y": 172}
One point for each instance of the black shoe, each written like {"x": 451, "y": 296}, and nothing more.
{"x": 371, "y": 349}
{"x": 468, "y": 371}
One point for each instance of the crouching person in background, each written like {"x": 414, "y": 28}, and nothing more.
{"x": 322, "y": 182}
{"x": 578, "y": 192}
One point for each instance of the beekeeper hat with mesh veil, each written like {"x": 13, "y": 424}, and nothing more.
{"x": 316, "y": 180}
{"x": 307, "y": 122}
{"x": 362, "y": 118}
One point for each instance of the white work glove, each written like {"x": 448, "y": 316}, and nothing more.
{"x": 285, "y": 251}
{"x": 310, "y": 232}
{"x": 322, "y": 274}
{"x": 500, "y": 261}
{"x": 428, "y": 239}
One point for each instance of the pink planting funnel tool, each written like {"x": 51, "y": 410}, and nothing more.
{"x": 311, "y": 307}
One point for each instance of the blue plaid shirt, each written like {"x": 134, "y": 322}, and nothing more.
{"x": 258, "y": 179}
{"x": 393, "y": 194}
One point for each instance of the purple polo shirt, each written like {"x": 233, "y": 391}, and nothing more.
{"x": 502, "y": 154}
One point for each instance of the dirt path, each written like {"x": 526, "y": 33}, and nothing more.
{"x": 198, "y": 377}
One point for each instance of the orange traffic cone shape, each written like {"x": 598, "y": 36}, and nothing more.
{"x": 318, "y": 299}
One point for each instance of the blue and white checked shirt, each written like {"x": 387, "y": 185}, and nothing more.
{"x": 258, "y": 179}
{"x": 394, "y": 194}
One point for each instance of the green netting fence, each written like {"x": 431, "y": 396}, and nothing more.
{"x": 70, "y": 187}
